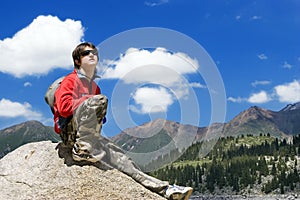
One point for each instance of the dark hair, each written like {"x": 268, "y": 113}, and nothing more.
{"x": 78, "y": 50}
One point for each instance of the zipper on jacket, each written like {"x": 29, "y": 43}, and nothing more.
{"x": 90, "y": 87}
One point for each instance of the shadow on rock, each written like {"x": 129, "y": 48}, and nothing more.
{"x": 65, "y": 152}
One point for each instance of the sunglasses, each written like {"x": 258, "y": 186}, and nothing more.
{"x": 87, "y": 52}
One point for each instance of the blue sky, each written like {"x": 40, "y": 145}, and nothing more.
{"x": 192, "y": 61}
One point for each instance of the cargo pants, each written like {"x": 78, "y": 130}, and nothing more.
{"x": 89, "y": 145}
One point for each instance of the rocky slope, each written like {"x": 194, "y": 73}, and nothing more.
{"x": 164, "y": 141}
{"x": 132, "y": 139}
{"x": 256, "y": 120}
{"x": 44, "y": 170}
{"x": 160, "y": 139}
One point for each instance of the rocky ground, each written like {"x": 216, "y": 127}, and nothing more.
{"x": 250, "y": 197}
{"x": 43, "y": 171}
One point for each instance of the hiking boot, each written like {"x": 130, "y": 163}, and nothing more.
{"x": 83, "y": 157}
{"x": 175, "y": 192}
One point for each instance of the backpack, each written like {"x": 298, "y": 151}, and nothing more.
{"x": 50, "y": 94}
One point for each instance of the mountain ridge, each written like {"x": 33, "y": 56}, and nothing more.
{"x": 253, "y": 121}
{"x": 23, "y": 133}
{"x": 282, "y": 124}
{"x": 161, "y": 136}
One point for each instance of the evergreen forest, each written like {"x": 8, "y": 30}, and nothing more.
{"x": 238, "y": 165}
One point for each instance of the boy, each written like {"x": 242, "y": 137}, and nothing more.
{"x": 79, "y": 112}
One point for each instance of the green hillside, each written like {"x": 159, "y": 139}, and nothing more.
{"x": 18, "y": 135}
{"x": 246, "y": 164}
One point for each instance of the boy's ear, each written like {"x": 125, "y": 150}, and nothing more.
{"x": 77, "y": 62}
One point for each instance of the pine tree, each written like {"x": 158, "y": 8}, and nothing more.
{"x": 259, "y": 179}
{"x": 263, "y": 167}
{"x": 235, "y": 186}
{"x": 273, "y": 171}
{"x": 281, "y": 189}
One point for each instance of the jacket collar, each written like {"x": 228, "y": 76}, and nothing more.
{"x": 81, "y": 75}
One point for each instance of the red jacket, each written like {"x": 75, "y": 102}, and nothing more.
{"x": 73, "y": 90}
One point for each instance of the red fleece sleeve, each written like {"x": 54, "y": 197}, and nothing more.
{"x": 67, "y": 97}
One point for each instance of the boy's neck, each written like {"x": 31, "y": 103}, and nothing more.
{"x": 88, "y": 73}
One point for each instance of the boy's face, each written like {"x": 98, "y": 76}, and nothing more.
{"x": 89, "y": 57}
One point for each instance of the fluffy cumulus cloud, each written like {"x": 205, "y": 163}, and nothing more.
{"x": 285, "y": 93}
{"x": 260, "y": 97}
{"x": 11, "y": 109}
{"x": 160, "y": 67}
{"x": 154, "y": 64}
{"x": 43, "y": 45}
{"x": 289, "y": 92}
{"x": 151, "y": 100}
{"x": 255, "y": 98}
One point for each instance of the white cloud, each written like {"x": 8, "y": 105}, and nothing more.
{"x": 286, "y": 65}
{"x": 236, "y": 100}
{"x": 27, "y": 84}
{"x": 156, "y": 3}
{"x": 288, "y": 93}
{"x": 155, "y": 64}
{"x": 197, "y": 85}
{"x": 256, "y": 83}
{"x": 10, "y": 109}
{"x": 43, "y": 45}
{"x": 260, "y": 97}
{"x": 152, "y": 100}
{"x": 255, "y": 17}
{"x": 262, "y": 56}
{"x": 285, "y": 93}
{"x": 160, "y": 67}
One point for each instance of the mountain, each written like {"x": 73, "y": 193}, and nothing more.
{"x": 288, "y": 119}
{"x": 161, "y": 132}
{"x": 135, "y": 139}
{"x": 159, "y": 139}
{"x": 30, "y": 131}
{"x": 290, "y": 107}
{"x": 254, "y": 120}
{"x": 45, "y": 170}
{"x": 164, "y": 140}
{"x": 258, "y": 120}
{"x": 159, "y": 142}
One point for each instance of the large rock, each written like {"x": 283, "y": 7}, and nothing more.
{"x": 45, "y": 170}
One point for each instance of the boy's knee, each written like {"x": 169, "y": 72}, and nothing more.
{"x": 98, "y": 100}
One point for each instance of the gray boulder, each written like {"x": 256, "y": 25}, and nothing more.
{"x": 45, "y": 170}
